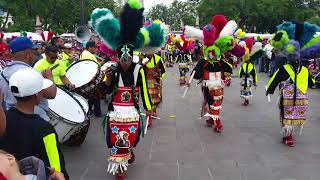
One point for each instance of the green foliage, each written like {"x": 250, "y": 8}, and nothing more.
{"x": 57, "y": 15}
{"x": 173, "y": 15}
{"x": 259, "y": 15}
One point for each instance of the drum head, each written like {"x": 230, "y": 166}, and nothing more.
{"x": 82, "y": 72}
{"x": 83, "y": 102}
{"x": 67, "y": 107}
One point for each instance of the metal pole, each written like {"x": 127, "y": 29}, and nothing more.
{"x": 81, "y": 12}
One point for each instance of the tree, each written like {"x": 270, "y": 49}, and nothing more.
{"x": 173, "y": 15}
{"x": 259, "y": 15}
{"x": 57, "y": 15}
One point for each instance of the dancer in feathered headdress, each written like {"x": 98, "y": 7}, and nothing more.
{"x": 169, "y": 51}
{"x": 183, "y": 57}
{"x": 247, "y": 71}
{"x": 218, "y": 39}
{"x": 297, "y": 42}
{"x": 123, "y": 124}
{"x": 155, "y": 72}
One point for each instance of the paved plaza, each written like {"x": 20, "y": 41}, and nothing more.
{"x": 181, "y": 147}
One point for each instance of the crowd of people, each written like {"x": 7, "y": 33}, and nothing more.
{"x": 131, "y": 60}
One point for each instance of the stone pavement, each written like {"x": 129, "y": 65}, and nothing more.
{"x": 183, "y": 148}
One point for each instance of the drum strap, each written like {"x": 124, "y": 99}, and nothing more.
{"x": 15, "y": 63}
{"x": 135, "y": 74}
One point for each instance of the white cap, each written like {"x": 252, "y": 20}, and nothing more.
{"x": 67, "y": 45}
{"x": 27, "y": 82}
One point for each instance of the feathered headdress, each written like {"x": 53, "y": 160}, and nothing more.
{"x": 297, "y": 40}
{"x": 218, "y": 37}
{"x": 129, "y": 31}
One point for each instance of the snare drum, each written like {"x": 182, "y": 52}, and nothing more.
{"x": 66, "y": 114}
{"x": 87, "y": 77}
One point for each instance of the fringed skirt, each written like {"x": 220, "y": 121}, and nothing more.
{"x": 292, "y": 113}
{"x": 123, "y": 132}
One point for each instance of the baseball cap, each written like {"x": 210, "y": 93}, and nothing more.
{"x": 27, "y": 82}
{"x": 21, "y": 44}
{"x": 3, "y": 48}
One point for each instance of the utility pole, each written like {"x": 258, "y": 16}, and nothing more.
{"x": 82, "y": 12}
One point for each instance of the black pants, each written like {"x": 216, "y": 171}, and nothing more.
{"x": 95, "y": 103}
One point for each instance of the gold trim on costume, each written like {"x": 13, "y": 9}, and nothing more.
{"x": 293, "y": 121}
{"x": 299, "y": 102}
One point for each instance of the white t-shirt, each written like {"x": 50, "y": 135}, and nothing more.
{"x": 30, "y": 177}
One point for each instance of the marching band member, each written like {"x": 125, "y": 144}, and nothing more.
{"x": 51, "y": 62}
{"x": 296, "y": 41}
{"x": 124, "y": 124}
{"x": 88, "y": 53}
{"x": 94, "y": 102}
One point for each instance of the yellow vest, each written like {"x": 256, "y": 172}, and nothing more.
{"x": 302, "y": 77}
{"x": 86, "y": 55}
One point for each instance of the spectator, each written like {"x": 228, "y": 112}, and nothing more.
{"x": 5, "y": 55}
{"x": 30, "y": 168}
{"x": 2, "y": 117}
{"x": 24, "y": 53}
{"x": 27, "y": 134}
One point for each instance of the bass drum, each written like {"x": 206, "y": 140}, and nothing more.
{"x": 78, "y": 137}
{"x": 66, "y": 114}
{"x": 86, "y": 76}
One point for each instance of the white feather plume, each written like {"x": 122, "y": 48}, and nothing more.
{"x": 243, "y": 44}
{"x": 192, "y": 32}
{"x": 229, "y": 29}
{"x": 256, "y": 47}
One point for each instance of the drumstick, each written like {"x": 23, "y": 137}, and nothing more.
{"x": 151, "y": 116}
{"x": 190, "y": 81}
{"x": 53, "y": 67}
{"x": 146, "y": 128}
{"x": 268, "y": 96}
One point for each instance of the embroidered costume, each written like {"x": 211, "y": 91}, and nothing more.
{"x": 155, "y": 72}
{"x": 247, "y": 72}
{"x": 123, "y": 124}
{"x": 218, "y": 39}
{"x": 296, "y": 41}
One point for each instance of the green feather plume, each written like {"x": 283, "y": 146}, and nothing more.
{"x": 156, "y": 35}
{"x": 312, "y": 42}
{"x": 107, "y": 26}
{"x": 225, "y": 43}
{"x": 280, "y": 39}
{"x": 135, "y": 4}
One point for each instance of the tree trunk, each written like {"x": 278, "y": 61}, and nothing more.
{"x": 5, "y": 22}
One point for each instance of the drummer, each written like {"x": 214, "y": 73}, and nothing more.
{"x": 89, "y": 52}
{"x": 58, "y": 68}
